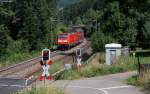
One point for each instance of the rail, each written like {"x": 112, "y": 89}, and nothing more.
{"x": 16, "y": 68}
{"x": 28, "y": 68}
{"x": 16, "y": 65}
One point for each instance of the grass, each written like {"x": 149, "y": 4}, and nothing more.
{"x": 142, "y": 81}
{"x": 42, "y": 90}
{"x": 17, "y": 57}
{"x": 97, "y": 69}
{"x": 134, "y": 80}
{"x": 55, "y": 67}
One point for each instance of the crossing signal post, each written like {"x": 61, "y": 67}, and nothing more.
{"x": 46, "y": 62}
{"x": 79, "y": 57}
{"x": 79, "y": 52}
{"x": 45, "y": 54}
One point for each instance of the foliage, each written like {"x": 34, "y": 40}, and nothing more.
{"x": 136, "y": 81}
{"x": 26, "y": 27}
{"x": 99, "y": 40}
{"x": 5, "y": 15}
{"x": 145, "y": 31}
{"x": 18, "y": 46}
{"x": 61, "y": 28}
{"x": 141, "y": 80}
{"x": 17, "y": 57}
{"x": 125, "y": 21}
{"x": 35, "y": 20}
{"x": 120, "y": 27}
{"x": 3, "y": 40}
{"x": 43, "y": 90}
{"x": 132, "y": 81}
{"x": 64, "y": 3}
{"x": 96, "y": 69}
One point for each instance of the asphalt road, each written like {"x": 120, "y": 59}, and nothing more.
{"x": 109, "y": 84}
{"x": 11, "y": 85}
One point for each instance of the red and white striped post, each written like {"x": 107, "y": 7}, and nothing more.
{"x": 79, "y": 57}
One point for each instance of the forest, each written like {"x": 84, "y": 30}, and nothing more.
{"x": 30, "y": 25}
{"x": 121, "y": 21}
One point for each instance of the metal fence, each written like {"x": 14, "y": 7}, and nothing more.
{"x": 143, "y": 69}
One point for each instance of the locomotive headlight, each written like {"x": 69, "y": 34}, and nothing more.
{"x": 62, "y": 40}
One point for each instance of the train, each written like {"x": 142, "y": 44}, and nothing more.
{"x": 67, "y": 40}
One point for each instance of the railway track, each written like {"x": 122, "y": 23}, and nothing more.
{"x": 28, "y": 68}
{"x": 68, "y": 60}
{"x": 24, "y": 74}
{"x": 20, "y": 68}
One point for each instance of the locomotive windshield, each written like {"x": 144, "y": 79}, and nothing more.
{"x": 62, "y": 36}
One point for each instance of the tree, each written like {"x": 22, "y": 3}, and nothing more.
{"x": 145, "y": 32}
{"x": 3, "y": 40}
{"x": 99, "y": 40}
{"x": 5, "y": 15}
{"x": 36, "y": 22}
{"x": 124, "y": 20}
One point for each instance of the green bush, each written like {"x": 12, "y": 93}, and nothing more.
{"x": 91, "y": 70}
{"x": 61, "y": 28}
{"x": 87, "y": 71}
{"x": 69, "y": 75}
{"x": 3, "y": 41}
{"x": 17, "y": 57}
{"x": 43, "y": 90}
{"x": 17, "y": 51}
{"x": 137, "y": 81}
{"x": 18, "y": 46}
{"x": 133, "y": 81}
{"x": 142, "y": 81}
{"x": 99, "y": 40}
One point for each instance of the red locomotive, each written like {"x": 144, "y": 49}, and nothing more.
{"x": 67, "y": 40}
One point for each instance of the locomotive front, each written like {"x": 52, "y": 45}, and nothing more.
{"x": 62, "y": 39}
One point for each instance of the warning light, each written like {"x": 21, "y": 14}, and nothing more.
{"x": 50, "y": 62}
{"x": 45, "y": 54}
{"x": 46, "y": 62}
{"x": 79, "y": 52}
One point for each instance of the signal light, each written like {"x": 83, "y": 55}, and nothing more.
{"x": 79, "y": 52}
{"x": 46, "y": 62}
{"x": 45, "y": 54}
{"x": 50, "y": 62}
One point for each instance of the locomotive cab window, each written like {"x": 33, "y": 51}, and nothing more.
{"x": 62, "y": 36}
